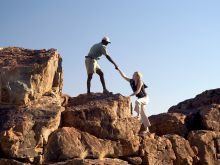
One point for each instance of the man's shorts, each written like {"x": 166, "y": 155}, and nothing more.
{"x": 91, "y": 65}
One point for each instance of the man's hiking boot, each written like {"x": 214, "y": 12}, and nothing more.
{"x": 107, "y": 92}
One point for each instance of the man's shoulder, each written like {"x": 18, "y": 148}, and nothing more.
{"x": 99, "y": 45}
{"x": 95, "y": 45}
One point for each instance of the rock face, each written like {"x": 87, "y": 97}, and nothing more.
{"x": 104, "y": 128}
{"x": 30, "y": 101}
{"x": 210, "y": 117}
{"x": 182, "y": 149}
{"x": 41, "y": 125}
{"x": 11, "y": 162}
{"x": 106, "y": 161}
{"x": 102, "y": 116}
{"x": 156, "y": 151}
{"x": 68, "y": 143}
{"x": 28, "y": 74}
{"x": 25, "y": 130}
{"x": 191, "y": 106}
{"x": 199, "y": 126}
{"x": 208, "y": 143}
{"x": 168, "y": 123}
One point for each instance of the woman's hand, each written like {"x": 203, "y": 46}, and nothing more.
{"x": 123, "y": 75}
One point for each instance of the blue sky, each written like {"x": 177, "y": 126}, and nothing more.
{"x": 174, "y": 43}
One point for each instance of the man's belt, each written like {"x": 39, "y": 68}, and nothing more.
{"x": 91, "y": 57}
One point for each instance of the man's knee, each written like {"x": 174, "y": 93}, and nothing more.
{"x": 100, "y": 73}
{"x": 90, "y": 76}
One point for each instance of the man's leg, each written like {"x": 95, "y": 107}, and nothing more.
{"x": 89, "y": 82}
{"x": 101, "y": 75}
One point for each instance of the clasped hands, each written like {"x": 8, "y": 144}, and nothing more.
{"x": 117, "y": 68}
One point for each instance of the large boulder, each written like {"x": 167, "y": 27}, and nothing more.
{"x": 202, "y": 112}
{"x": 67, "y": 143}
{"x": 12, "y": 162}
{"x": 210, "y": 117}
{"x": 107, "y": 106}
{"x": 191, "y": 105}
{"x": 185, "y": 154}
{"x": 24, "y": 130}
{"x": 168, "y": 123}
{"x": 30, "y": 101}
{"x": 134, "y": 160}
{"x": 105, "y": 116}
{"x": 105, "y": 161}
{"x": 208, "y": 144}
{"x": 28, "y": 74}
{"x": 157, "y": 151}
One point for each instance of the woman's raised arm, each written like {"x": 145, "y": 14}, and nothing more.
{"x": 123, "y": 75}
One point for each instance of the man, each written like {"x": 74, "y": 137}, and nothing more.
{"x": 92, "y": 65}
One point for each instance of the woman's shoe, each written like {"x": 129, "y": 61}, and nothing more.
{"x": 145, "y": 133}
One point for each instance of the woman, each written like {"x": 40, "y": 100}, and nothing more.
{"x": 138, "y": 88}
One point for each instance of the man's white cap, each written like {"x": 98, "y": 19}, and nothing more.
{"x": 107, "y": 39}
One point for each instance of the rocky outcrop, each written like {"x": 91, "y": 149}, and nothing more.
{"x": 40, "y": 125}
{"x": 210, "y": 117}
{"x": 30, "y": 101}
{"x": 185, "y": 154}
{"x": 208, "y": 144}
{"x": 168, "y": 123}
{"x": 104, "y": 116}
{"x": 134, "y": 160}
{"x": 68, "y": 143}
{"x": 96, "y": 124}
{"x": 25, "y": 130}
{"x": 190, "y": 115}
{"x": 27, "y": 74}
{"x": 201, "y": 122}
{"x": 192, "y": 105}
{"x": 157, "y": 151}
{"x": 12, "y": 162}
{"x": 106, "y": 161}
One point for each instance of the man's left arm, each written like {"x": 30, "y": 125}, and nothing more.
{"x": 110, "y": 59}
{"x": 105, "y": 52}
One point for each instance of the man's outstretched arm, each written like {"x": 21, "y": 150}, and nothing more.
{"x": 110, "y": 59}
{"x": 124, "y": 76}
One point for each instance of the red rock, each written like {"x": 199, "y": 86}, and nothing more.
{"x": 95, "y": 128}
{"x": 106, "y": 161}
{"x": 11, "y": 162}
{"x": 157, "y": 151}
{"x": 210, "y": 117}
{"x": 25, "y": 130}
{"x": 168, "y": 123}
{"x": 134, "y": 160}
{"x": 208, "y": 144}
{"x": 185, "y": 155}
{"x": 116, "y": 106}
{"x": 68, "y": 143}
{"x": 105, "y": 116}
{"x": 28, "y": 74}
{"x": 202, "y": 112}
{"x": 191, "y": 106}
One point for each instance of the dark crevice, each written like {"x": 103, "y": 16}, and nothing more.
{"x": 194, "y": 122}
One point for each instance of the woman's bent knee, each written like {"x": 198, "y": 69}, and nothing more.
{"x": 137, "y": 102}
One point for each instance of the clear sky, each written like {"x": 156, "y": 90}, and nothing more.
{"x": 174, "y": 43}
